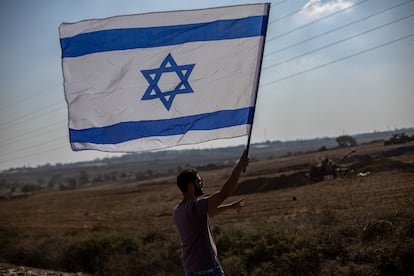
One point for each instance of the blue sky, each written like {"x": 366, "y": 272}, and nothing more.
{"x": 330, "y": 68}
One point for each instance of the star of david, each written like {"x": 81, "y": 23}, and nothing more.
{"x": 154, "y": 75}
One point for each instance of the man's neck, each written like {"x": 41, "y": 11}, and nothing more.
{"x": 189, "y": 197}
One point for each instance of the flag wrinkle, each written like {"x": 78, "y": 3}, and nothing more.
{"x": 136, "y": 38}
{"x": 153, "y": 81}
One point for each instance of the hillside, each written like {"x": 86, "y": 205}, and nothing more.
{"x": 140, "y": 166}
{"x": 357, "y": 224}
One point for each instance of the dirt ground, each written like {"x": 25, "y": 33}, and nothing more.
{"x": 380, "y": 178}
{"x": 272, "y": 189}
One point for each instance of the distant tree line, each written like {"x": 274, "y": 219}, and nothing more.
{"x": 62, "y": 181}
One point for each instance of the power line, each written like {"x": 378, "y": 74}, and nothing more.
{"x": 271, "y": 82}
{"x": 33, "y": 154}
{"x": 315, "y": 21}
{"x": 291, "y": 13}
{"x": 278, "y": 3}
{"x": 336, "y": 29}
{"x": 30, "y": 113}
{"x": 337, "y": 42}
{"x": 22, "y": 135}
{"x": 6, "y": 124}
{"x": 265, "y": 84}
{"x": 337, "y": 60}
{"x": 29, "y": 97}
{"x": 47, "y": 142}
{"x": 29, "y": 116}
{"x": 273, "y": 5}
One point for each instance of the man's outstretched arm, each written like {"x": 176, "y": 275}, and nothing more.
{"x": 235, "y": 205}
{"x": 229, "y": 187}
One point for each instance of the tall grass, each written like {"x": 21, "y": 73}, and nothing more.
{"x": 328, "y": 243}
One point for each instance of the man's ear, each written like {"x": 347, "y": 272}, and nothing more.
{"x": 191, "y": 187}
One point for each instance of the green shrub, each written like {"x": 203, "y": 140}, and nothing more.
{"x": 267, "y": 250}
{"x": 30, "y": 188}
{"x": 322, "y": 244}
{"x": 90, "y": 254}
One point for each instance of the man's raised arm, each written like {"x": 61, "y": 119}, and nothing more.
{"x": 229, "y": 187}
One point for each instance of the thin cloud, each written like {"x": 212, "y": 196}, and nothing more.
{"x": 317, "y": 8}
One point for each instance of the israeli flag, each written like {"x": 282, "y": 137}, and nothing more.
{"x": 157, "y": 80}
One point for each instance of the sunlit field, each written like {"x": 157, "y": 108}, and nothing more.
{"x": 359, "y": 224}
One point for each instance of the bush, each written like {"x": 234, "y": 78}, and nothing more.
{"x": 346, "y": 141}
{"x": 267, "y": 251}
{"x": 327, "y": 243}
{"x": 30, "y": 188}
{"x": 90, "y": 254}
{"x": 119, "y": 254}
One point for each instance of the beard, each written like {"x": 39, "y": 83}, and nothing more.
{"x": 198, "y": 191}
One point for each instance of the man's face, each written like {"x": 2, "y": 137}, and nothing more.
{"x": 199, "y": 185}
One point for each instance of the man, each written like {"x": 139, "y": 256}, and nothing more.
{"x": 191, "y": 218}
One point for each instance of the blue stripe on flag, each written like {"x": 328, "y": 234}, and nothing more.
{"x": 133, "y": 38}
{"x": 127, "y": 131}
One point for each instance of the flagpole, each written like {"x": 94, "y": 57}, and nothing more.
{"x": 267, "y": 7}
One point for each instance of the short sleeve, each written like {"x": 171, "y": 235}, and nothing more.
{"x": 201, "y": 206}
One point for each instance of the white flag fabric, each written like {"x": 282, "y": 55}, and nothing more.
{"x": 157, "y": 80}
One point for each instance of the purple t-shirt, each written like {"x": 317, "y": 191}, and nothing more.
{"x": 199, "y": 250}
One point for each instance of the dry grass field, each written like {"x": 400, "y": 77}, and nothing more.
{"x": 362, "y": 224}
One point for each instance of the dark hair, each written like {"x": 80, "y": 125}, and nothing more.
{"x": 186, "y": 177}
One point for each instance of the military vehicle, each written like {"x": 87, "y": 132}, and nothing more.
{"x": 329, "y": 168}
{"x": 398, "y": 138}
